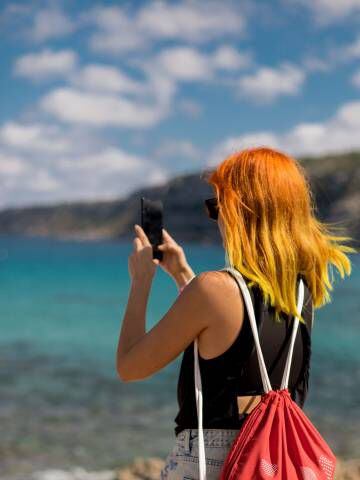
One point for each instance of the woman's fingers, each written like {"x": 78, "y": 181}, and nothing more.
{"x": 137, "y": 244}
{"x": 142, "y": 235}
{"x": 168, "y": 247}
{"x": 167, "y": 237}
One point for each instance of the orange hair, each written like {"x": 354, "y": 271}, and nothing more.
{"x": 271, "y": 233}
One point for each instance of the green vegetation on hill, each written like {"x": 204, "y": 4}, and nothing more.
{"x": 334, "y": 181}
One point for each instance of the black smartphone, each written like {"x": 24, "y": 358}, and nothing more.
{"x": 152, "y": 223}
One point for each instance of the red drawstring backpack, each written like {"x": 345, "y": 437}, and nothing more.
{"x": 277, "y": 440}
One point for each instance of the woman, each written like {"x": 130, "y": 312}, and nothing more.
{"x": 270, "y": 234}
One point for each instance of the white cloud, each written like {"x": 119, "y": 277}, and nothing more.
{"x": 315, "y": 64}
{"x": 184, "y": 63}
{"x": 338, "y": 134}
{"x": 105, "y": 78}
{"x": 20, "y": 178}
{"x": 45, "y": 64}
{"x": 227, "y": 57}
{"x": 329, "y": 11}
{"x": 231, "y": 144}
{"x": 180, "y": 149}
{"x": 115, "y": 31}
{"x": 161, "y": 87}
{"x": 34, "y": 137}
{"x": 98, "y": 94}
{"x": 89, "y": 168}
{"x": 267, "y": 83}
{"x": 351, "y": 51}
{"x": 109, "y": 160}
{"x": 101, "y": 95}
{"x": 201, "y": 21}
{"x": 348, "y": 116}
{"x": 157, "y": 176}
{"x": 100, "y": 110}
{"x": 11, "y": 165}
{"x": 43, "y": 182}
{"x": 334, "y": 57}
{"x": 50, "y": 23}
{"x": 189, "y": 20}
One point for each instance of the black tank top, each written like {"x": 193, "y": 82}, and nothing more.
{"x": 236, "y": 371}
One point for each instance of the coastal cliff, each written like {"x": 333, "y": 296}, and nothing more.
{"x": 334, "y": 181}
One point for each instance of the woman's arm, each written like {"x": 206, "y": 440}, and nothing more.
{"x": 174, "y": 260}
{"x": 132, "y": 331}
{"x": 142, "y": 268}
{"x": 134, "y": 321}
{"x": 141, "y": 354}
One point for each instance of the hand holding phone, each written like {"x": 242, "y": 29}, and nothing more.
{"x": 152, "y": 223}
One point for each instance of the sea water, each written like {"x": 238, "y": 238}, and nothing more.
{"x": 62, "y": 404}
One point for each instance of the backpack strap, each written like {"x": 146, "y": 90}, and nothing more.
{"x": 264, "y": 375}
{"x": 199, "y": 408}
{"x": 300, "y": 301}
{"x": 250, "y": 308}
{"x": 248, "y": 302}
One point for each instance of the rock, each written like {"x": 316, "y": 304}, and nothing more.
{"x": 348, "y": 470}
{"x": 76, "y": 473}
{"x": 141, "y": 468}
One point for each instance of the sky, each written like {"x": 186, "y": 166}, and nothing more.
{"x": 98, "y": 99}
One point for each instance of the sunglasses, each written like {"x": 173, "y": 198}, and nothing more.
{"x": 211, "y": 207}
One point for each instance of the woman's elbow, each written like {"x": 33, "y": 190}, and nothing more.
{"x": 127, "y": 372}
{"x": 122, "y": 371}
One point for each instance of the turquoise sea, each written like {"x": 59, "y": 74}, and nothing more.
{"x": 61, "y": 403}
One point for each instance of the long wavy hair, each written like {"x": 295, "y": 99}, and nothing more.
{"x": 271, "y": 233}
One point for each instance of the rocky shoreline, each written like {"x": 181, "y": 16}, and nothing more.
{"x": 334, "y": 181}
{"x": 149, "y": 469}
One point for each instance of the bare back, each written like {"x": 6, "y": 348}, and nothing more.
{"x": 225, "y": 325}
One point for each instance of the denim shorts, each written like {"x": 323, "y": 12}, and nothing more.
{"x": 182, "y": 463}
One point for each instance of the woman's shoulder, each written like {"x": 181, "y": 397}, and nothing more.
{"x": 210, "y": 287}
{"x": 213, "y": 279}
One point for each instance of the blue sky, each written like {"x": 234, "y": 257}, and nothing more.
{"x": 99, "y": 98}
